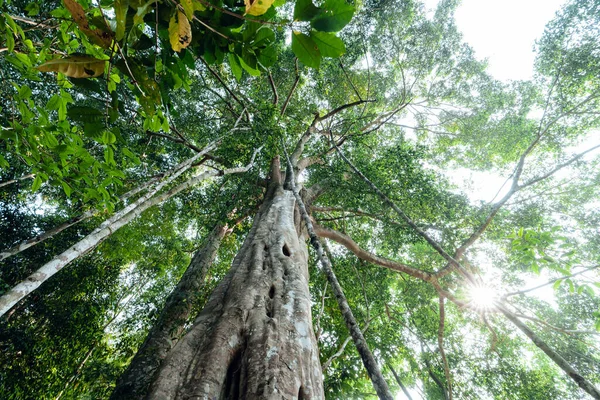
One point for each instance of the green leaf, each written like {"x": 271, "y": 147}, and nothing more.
{"x": 267, "y": 57}
{"x": 121, "y": 7}
{"x": 85, "y": 114}
{"x": 329, "y": 45}
{"x": 66, "y": 188}
{"x": 188, "y": 8}
{"x": 263, "y": 38}
{"x": 108, "y": 137}
{"x": 557, "y": 284}
{"x": 37, "y": 183}
{"x": 306, "y": 50}
{"x": 333, "y": 16}
{"x": 235, "y": 66}
{"x": 305, "y": 10}
{"x": 10, "y": 41}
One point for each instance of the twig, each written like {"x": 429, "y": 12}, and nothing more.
{"x": 274, "y": 89}
{"x": 289, "y": 96}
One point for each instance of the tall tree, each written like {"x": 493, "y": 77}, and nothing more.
{"x": 116, "y": 148}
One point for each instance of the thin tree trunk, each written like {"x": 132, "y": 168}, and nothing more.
{"x": 557, "y": 358}
{"x": 254, "y": 339}
{"x": 399, "y": 382}
{"x": 75, "y": 220}
{"x": 107, "y": 228}
{"x": 167, "y": 330}
{"x": 373, "y": 370}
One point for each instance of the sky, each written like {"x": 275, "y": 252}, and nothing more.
{"x": 504, "y": 32}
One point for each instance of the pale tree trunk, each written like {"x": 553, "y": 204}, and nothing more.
{"x": 75, "y": 220}
{"x": 107, "y": 228}
{"x": 254, "y": 339}
{"x": 169, "y": 327}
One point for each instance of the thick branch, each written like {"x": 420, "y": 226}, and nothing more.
{"x": 399, "y": 382}
{"x": 6, "y": 183}
{"x": 170, "y": 324}
{"x": 351, "y": 245}
{"x": 75, "y": 220}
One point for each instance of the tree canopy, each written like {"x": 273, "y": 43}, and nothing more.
{"x": 133, "y": 132}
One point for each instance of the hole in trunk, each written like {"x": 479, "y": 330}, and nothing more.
{"x": 301, "y": 394}
{"x": 269, "y": 310}
{"x": 232, "y": 387}
{"x": 272, "y": 291}
{"x": 286, "y": 250}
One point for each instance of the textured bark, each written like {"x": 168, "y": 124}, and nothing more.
{"x": 169, "y": 327}
{"x": 254, "y": 339}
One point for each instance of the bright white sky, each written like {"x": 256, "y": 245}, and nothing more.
{"x": 505, "y": 32}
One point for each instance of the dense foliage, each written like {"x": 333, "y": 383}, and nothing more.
{"x": 100, "y": 99}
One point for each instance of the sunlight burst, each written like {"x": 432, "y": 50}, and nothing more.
{"x": 482, "y": 297}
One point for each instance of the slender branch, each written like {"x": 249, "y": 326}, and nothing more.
{"x": 342, "y": 108}
{"x": 351, "y": 245}
{"x": 6, "y": 183}
{"x": 274, "y": 89}
{"x": 289, "y": 96}
{"x": 405, "y": 217}
{"x": 341, "y": 349}
{"x": 216, "y": 75}
{"x": 550, "y": 282}
{"x": 399, "y": 382}
{"x": 556, "y": 328}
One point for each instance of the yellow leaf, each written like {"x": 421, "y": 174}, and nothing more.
{"x": 257, "y": 7}
{"x": 75, "y": 66}
{"x": 100, "y": 37}
{"x": 180, "y": 31}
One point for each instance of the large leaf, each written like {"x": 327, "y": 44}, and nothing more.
{"x": 235, "y": 66}
{"x": 121, "y": 7}
{"x": 329, "y": 45}
{"x": 75, "y": 66}
{"x": 102, "y": 38}
{"x": 306, "y": 50}
{"x": 85, "y": 114}
{"x": 257, "y": 7}
{"x": 180, "y": 31}
{"x": 305, "y": 10}
{"x": 333, "y": 16}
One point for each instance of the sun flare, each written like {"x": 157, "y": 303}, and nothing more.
{"x": 482, "y": 297}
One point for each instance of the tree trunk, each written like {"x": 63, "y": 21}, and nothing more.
{"x": 254, "y": 339}
{"x": 167, "y": 330}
